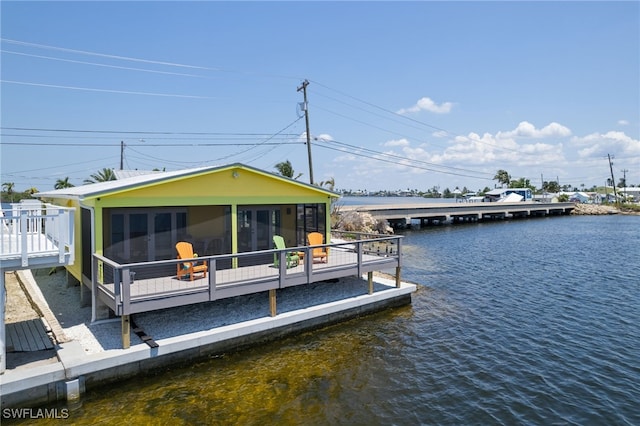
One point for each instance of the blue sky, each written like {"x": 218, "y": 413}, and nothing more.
{"x": 401, "y": 94}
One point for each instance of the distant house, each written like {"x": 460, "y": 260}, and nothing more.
{"x": 578, "y": 197}
{"x": 630, "y": 193}
{"x": 220, "y": 210}
{"x": 501, "y": 193}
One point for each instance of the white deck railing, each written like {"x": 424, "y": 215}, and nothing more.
{"x": 30, "y": 230}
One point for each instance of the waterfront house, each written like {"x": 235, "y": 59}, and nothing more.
{"x": 118, "y": 240}
{"x": 220, "y": 210}
{"x": 127, "y": 231}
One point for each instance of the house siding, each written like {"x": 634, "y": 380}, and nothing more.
{"x": 208, "y": 197}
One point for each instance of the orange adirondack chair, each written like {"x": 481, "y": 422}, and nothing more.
{"x": 185, "y": 251}
{"x": 322, "y": 253}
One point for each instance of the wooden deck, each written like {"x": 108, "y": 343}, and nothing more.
{"x": 141, "y": 295}
{"x": 27, "y": 336}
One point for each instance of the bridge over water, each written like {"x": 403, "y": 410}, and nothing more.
{"x": 402, "y": 215}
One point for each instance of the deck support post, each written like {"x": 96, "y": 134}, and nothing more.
{"x": 272, "y": 302}
{"x": 126, "y": 333}
{"x": 370, "y": 281}
{"x": 398, "y": 281}
{"x": 99, "y": 310}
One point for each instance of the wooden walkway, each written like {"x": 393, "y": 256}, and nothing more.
{"x": 27, "y": 336}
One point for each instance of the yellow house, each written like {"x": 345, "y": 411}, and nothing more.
{"x": 220, "y": 210}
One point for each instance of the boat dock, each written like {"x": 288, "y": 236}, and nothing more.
{"x": 402, "y": 215}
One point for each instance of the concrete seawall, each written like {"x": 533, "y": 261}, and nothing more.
{"x": 75, "y": 371}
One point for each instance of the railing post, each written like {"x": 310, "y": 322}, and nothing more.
{"x": 70, "y": 235}
{"x": 282, "y": 267}
{"x": 359, "y": 248}
{"x": 370, "y": 281}
{"x": 126, "y": 298}
{"x": 94, "y": 288}
{"x": 211, "y": 267}
{"x": 399, "y": 267}
{"x": 308, "y": 263}
{"x": 62, "y": 234}
{"x": 126, "y": 290}
{"x": 23, "y": 238}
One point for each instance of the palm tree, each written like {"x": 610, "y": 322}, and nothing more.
{"x": 32, "y": 190}
{"x": 8, "y": 188}
{"x": 102, "y": 176}
{"x": 502, "y": 177}
{"x": 286, "y": 169}
{"x": 330, "y": 184}
{"x": 63, "y": 183}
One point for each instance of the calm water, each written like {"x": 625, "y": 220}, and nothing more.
{"x": 516, "y": 322}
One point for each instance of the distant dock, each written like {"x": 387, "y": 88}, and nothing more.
{"x": 402, "y": 215}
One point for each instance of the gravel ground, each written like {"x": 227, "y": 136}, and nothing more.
{"x": 64, "y": 302}
{"x": 18, "y": 306}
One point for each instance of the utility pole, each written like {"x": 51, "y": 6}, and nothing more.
{"x": 613, "y": 181}
{"x": 121, "y": 154}
{"x": 303, "y": 87}
{"x": 624, "y": 179}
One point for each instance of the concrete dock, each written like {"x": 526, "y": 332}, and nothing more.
{"x": 88, "y": 354}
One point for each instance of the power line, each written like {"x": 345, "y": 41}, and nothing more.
{"x": 104, "y": 65}
{"x": 395, "y": 161}
{"x": 123, "y": 92}
{"x": 418, "y": 164}
{"x": 94, "y": 145}
{"x": 140, "y": 132}
{"x": 395, "y": 114}
{"x": 103, "y": 55}
{"x": 141, "y": 60}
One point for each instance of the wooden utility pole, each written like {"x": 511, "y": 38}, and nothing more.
{"x": 121, "y": 154}
{"x": 303, "y": 87}
{"x": 613, "y": 181}
{"x": 624, "y": 180}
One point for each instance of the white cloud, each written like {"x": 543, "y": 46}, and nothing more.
{"x": 323, "y": 137}
{"x": 427, "y": 104}
{"x": 528, "y": 130}
{"x": 623, "y": 122}
{"x": 397, "y": 142}
{"x": 599, "y": 145}
{"x": 473, "y": 158}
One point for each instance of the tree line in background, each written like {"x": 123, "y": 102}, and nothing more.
{"x": 503, "y": 178}
{"x": 285, "y": 169}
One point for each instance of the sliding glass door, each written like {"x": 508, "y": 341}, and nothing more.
{"x": 142, "y": 235}
{"x": 256, "y": 228}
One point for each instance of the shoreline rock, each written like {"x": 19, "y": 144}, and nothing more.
{"x": 594, "y": 209}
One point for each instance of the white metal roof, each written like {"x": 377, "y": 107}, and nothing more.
{"x": 94, "y": 189}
